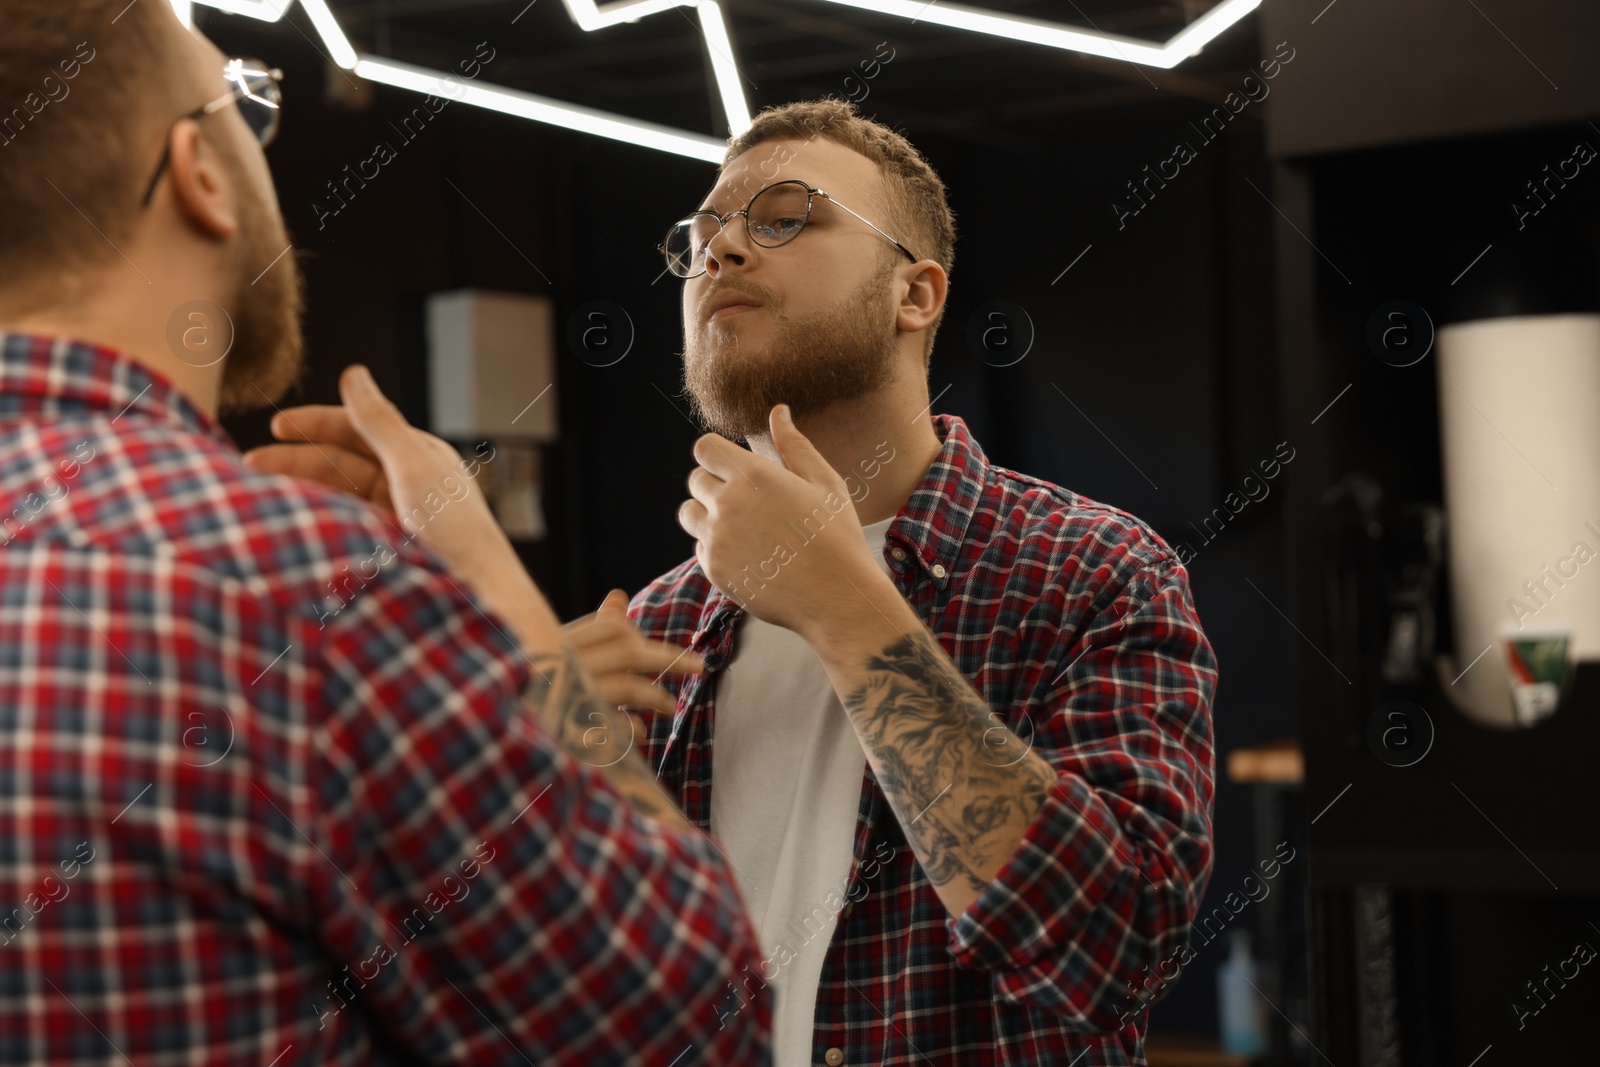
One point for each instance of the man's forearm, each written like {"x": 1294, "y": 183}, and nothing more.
{"x": 964, "y": 786}
{"x": 566, "y": 701}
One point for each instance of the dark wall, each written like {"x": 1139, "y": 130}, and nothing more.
{"x": 1376, "y": 72}
{"x": 1148, "y": 386}
{"x": 1417, "y": 131}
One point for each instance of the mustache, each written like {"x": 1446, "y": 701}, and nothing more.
{"x": 759, "y": 292}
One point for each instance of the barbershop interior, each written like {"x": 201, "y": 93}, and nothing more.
{"x": 1311, "y": 288}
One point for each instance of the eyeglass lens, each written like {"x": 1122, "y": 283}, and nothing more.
{"x": 775, "y": 216}
{"x": 260, "y": 105}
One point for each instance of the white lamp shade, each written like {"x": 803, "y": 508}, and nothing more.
{"x": 1519, "y": 412}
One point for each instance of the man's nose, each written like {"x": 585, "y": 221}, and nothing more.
{"x": 730, "y": 247}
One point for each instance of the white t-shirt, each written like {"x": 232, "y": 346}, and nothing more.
{"x": 785, "y": 785}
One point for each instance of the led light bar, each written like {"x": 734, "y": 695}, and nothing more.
{"x": 328, "y": 29}
{"x": 719, "y": 46}
{"x": 541, "y": 109}
{"x": 590, "y": 17}
{"x": 265, "y": 10}
{"x": 726, "y": 70}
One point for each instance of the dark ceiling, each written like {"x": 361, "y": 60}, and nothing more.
{"x": 980, "y": 90}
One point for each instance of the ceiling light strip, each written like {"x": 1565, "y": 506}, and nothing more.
{"x": 265, "y": 10}
{"x": 1207, "y": 28}
{"x": 720, "y": 48}
{"x": 330, "y": 32}
{"x": 541, "y": 109}
{"x": 590, "y": 17}
{"x": 1031, "y": 31}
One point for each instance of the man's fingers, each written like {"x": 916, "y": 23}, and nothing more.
{"x": 650, "y": 658}
{"x": 638, "y": 693}
{"x": 321, "y": 423}
{"x": 607, "y": 622}
{"x": 373, "y": 416}
{"x": 331, "y": 465}
{"x": 682, "y": 662}
{"x": 720, "y": 456}
{"x": 633, "y": 691}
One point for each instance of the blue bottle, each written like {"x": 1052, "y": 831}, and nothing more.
{"x": 1241, "y": 1010}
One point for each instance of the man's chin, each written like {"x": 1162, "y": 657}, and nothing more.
{"x": 734, "y": 385}
{"x": 263, "y": 375}
{"x": 263, "y": 387}
{"x": 734, "y": 425}
{"x": 741, "y": 335}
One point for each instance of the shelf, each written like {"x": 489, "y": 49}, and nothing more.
{"x": 1276, "y": 762}
{"x": 1181, "y": 1051}
{"x": 1484, "y": 809}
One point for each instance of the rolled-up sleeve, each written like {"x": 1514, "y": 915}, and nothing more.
{"x": 1110, "y": 874}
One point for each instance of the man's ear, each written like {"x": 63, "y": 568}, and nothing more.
{"x": 202, "y": 188}
{"x": 925, "y": 287}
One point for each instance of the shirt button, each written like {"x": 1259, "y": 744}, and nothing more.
{"x": 833, "y": 1057}
{"x": 898, "y": 553}
{"x": 938, "y": 570}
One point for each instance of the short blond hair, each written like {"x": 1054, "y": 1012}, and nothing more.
{"x": 920, "y": 215}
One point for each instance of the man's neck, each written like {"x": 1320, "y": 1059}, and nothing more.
{"x": 879, "y": 444}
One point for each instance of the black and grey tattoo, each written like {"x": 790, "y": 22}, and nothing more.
{"x": 566, "y": 701}
{"x": 947, "y": 764}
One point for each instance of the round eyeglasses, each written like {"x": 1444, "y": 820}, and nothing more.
{"x": 775, "y": 216}
{"x": 255, "y": 86}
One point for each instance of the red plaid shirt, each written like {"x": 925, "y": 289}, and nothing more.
{"x": 1074, "y": 621}
{"x": 268, "y": 794}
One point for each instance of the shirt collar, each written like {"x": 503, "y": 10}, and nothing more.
{"x": 930, "y": 527}
{"x": 933, "y": 522}
{"x": 56, "y": 376}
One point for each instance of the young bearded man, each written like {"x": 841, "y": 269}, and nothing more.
{"x": 274, "y": 787}
{"x": 954, "y": 727}
{"x": 963, "y": 759}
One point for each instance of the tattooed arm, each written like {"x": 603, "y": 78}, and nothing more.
{"x": 964, "y": 787}
{"x": 1076, "y": 908}
{"x": 566, "y": 701}
{"x": 564, "y": 698}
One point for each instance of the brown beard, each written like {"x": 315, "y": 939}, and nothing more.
{"x": 843, "y": 352}
{"x": 268, "y": 351}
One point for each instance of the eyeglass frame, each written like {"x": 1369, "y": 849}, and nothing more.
{"x": 235, "y": 65}
{"x": 722, "y": 222}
